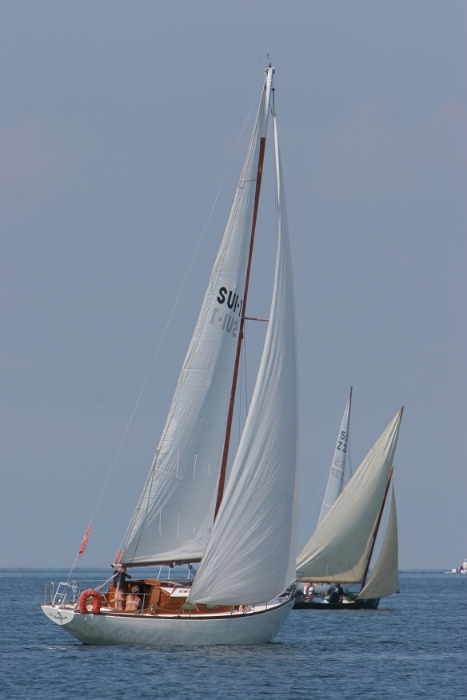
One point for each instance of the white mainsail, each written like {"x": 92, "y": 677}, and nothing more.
{"x": 175, "y": 513}
{"x": 339, "y": 548}
{"x": 250, "y": 556}
{"x": 336, "y": 473}
{"x": 384, "y": 579}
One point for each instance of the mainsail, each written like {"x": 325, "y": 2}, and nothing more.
{"x": 384, "y": 579}
{"x": 175, "y": 513}
{"x": 336, "y": 473}
{"x": 340, "y": 547}
{"x": 250, "y": 556}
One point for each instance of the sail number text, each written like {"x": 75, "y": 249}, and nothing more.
{"x": 342, "y": 447}
{"x": 228, "y": 320}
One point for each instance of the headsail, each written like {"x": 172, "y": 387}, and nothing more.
{"x": 175, "y": 513}
{"x": 250, "y": 556}
{"x": 384, "y": 579}
{"x": 339, "y": 548}
{"x": 336, "y": 473}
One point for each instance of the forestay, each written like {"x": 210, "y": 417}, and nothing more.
{"x": 336, "y": 473}
{"x": 384, "y": 579}
{"x": 339, "y": 548}
{"x": 175, "y": 513}
{"x": 250, "y": 556}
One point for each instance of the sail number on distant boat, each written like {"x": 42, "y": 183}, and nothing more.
{"x": 336, "y": 473}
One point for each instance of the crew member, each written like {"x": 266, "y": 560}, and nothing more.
{"x": 119, "y": 581}
{"x": 133, "y": 601}
{"x": 335, "y": 593}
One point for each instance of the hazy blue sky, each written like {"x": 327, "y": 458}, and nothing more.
{"x": 117, "y": 124}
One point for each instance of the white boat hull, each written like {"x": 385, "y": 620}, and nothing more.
{"x": 258, "y": 627}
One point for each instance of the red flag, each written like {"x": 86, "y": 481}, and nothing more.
{"x": 85, "y": 541}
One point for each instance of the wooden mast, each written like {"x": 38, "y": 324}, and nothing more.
{"x": 225, "y": 454}
{"x": 377, "y": 528}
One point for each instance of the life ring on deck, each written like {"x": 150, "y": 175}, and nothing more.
{"x": 96, "y": 606}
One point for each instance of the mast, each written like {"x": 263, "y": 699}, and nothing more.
{"x": 378, "y": 522}
{"x": 348, "y": 431}
{"x": 228, "y": 430}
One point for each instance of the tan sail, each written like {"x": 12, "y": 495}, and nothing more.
{"x": 384, "y": 579}
{"x": 339, "y": 548}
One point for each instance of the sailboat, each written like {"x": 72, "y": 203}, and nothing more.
{"x": 341, "y": 548}
{"x": 337, "y": 471}
{"x": 242, "y": 536}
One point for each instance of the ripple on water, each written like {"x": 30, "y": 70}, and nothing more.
{"x": 412, "y": 647}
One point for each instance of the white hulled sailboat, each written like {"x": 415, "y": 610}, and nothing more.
{"x": 340, "y": 549}
{"x": 244, "y": 538}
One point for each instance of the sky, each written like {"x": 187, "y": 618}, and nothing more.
{"x": 121, "y": 125}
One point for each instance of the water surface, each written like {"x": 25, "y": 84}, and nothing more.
{"x": 414, "y": 646}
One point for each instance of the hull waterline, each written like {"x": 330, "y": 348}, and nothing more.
{"x": 370, "y": 604}
{"x": 113, "y": 629}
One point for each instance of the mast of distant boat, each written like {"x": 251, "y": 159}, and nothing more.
{"x": 378, "y": 522}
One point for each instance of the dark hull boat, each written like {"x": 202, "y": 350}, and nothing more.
{"x": 340, "y": 550}
{"x": 356, "y": 604}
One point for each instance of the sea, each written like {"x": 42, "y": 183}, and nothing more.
{"x": 413, "y": 646}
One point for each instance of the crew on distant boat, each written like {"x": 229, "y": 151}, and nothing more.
{"x": 335, "y": 593}
{"x": 308, "y": 591}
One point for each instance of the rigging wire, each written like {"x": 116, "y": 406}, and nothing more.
{"x": 240, "y": 392}
{"x": 165, "y": 332}
{"x": 246, "y": 372}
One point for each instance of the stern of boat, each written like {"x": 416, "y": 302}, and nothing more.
{"x": 60, "y": 616}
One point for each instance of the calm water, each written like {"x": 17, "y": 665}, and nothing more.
{"x": 414, "y": 646}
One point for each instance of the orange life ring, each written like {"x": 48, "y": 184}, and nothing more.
{"x": 96, "y": 606}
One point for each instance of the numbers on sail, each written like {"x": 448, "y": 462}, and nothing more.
{"x": 342, "y": 441}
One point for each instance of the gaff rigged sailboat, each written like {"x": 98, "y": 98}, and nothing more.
{"x": 340, "y": 549}
{"x": 244, "y": 538}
